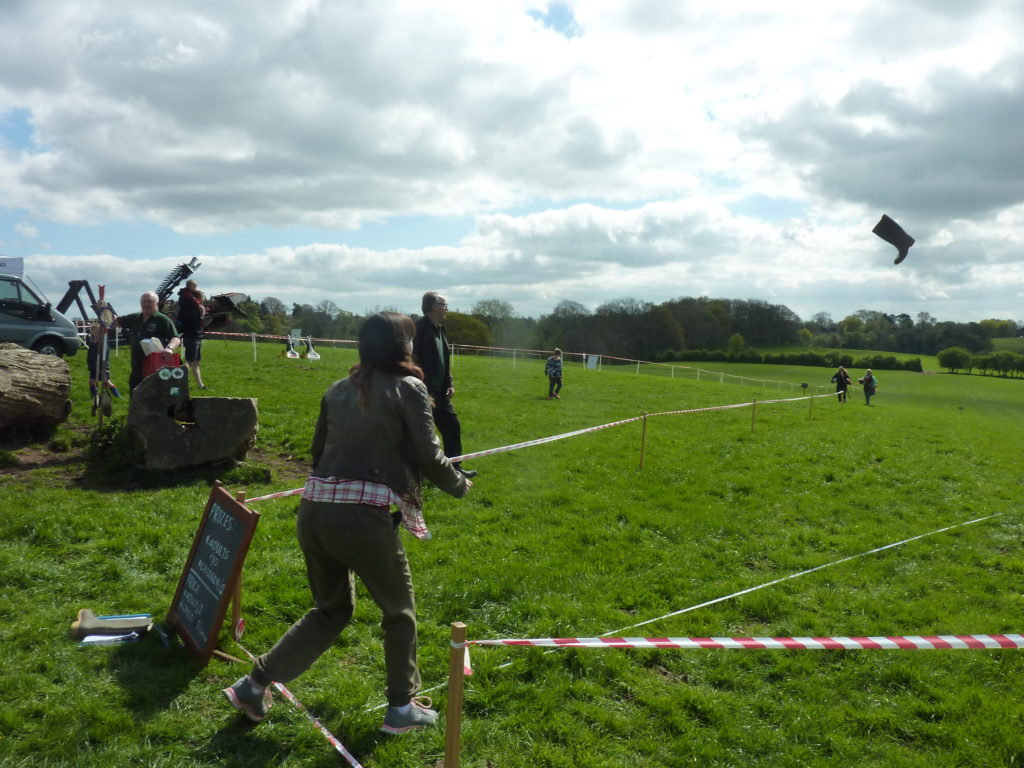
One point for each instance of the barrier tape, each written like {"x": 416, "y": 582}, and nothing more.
{"x": 331, "y": 738}
{"x": 781, "y": 579}
{"x": 889, "y": 643}
{"x": 575, "y": 433}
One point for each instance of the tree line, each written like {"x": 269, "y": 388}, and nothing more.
{"x": 672, "y": 330}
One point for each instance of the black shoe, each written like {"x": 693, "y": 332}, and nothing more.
{"x": 469, "y": 474}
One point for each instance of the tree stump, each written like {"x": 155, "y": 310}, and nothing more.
{"x": 33, "y": 387}
{"x": 176, "y": 431}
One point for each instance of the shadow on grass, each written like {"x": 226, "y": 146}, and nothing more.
{"x": 243, "y": 742}
{"x": 153, "y": 676}
{"x": 111, "y": 478}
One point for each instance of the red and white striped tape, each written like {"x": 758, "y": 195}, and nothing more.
{"x": 331, "y": 738}
{"x": 902, "y": 642}
{"x": 278, "y": 495}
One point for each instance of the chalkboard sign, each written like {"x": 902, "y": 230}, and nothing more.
{"x": 212, "y": 571}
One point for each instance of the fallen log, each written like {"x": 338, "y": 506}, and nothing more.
{"x": 33, "y": 387}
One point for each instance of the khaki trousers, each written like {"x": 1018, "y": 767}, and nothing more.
{"x": 339, "y": 541}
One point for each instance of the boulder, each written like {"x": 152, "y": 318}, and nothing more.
{"x": 33, "y": 387}
{"x": 177, "y": 431}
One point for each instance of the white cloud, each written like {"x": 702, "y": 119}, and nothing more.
{"x": 643, "y": 131}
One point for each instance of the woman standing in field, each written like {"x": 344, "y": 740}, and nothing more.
{"x": 870, "y": 384}
{"x": 374, "y": 438}
{"x": 842, "y": 381}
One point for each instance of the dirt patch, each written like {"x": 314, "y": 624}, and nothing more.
{"x": 17, "y": 459}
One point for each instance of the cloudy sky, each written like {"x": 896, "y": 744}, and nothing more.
{"x": 365, "y": 151}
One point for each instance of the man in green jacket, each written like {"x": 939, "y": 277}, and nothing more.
{"x": 150, "y": 323}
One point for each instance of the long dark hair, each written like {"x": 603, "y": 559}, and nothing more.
{"x": 382, "y": 347}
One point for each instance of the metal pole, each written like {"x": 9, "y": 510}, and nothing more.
{"x": 753, "y": 414}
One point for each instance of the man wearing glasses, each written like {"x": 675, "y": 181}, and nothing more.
{"x": 432, "y": 352}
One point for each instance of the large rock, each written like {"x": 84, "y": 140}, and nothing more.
{"x": 33, "y": 387}
{"x": 177, "y": 431}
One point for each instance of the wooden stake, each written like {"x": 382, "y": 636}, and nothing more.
{"x": 236, "y": 597}
{"x": 753, "y": 414}
{"x": 227, "y": 657}
{"x": 456, "y": 680}
{"x": 643, "y": 442}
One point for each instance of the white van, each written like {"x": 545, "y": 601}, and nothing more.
{"x": 27, "y": 320}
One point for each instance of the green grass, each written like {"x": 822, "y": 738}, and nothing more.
{"x": 570, "y": 538}
{"x": 1012, "y": 344}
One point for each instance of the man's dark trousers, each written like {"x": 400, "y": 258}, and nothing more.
{"x": 448, "y": 425}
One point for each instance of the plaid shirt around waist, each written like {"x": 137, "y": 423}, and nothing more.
{"x": 338, "y": 490}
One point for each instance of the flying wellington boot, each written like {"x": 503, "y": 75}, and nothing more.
{"x": 893, "y": 233}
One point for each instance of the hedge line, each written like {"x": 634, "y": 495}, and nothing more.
{"x": 826, "y": 360}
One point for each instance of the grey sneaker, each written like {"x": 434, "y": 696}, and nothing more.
{"x": 243, "y": 696}
{"x": 420, "y": 715}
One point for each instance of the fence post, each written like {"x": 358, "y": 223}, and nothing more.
{"x": 456, "y": 678}
{"x": 810, "y": 408}
{"x": 643, "y": 442}
{"x": 753, "y": 414}
{"x": 637, "y": 367}
{"x": 254, "y": 346}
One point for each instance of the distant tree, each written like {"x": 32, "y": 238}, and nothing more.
{"x": 1018, "y": 365}
{"x": 328, "y": 307}
{"x": 805, "y": 336}
{"x": 567, "y": 327}
{"x": 619, "y": 326}
{"x": 983, "y": 363}
{"x": 1001, "y": 329}
{"x": 821, "y": 322}
{"x": 311, "y": 321}
{"x": 466, "y": 329}
{"x": 659, "y": 333}
{"x": 275, "y": 325}
{"x": 954, "y": 359}
{"x": 345, "y": 325}
{"x": 705, "y": 322}
{"x": 761, "y": 323}
{"x": 493, "y": 311}
{"x": 273, "y": 306}
{"x": 498, "y": 316}
{"x": 736, "y": 345}
{"x": 851, "y": 324}
{"x": 252, "y": 321}
{"x": 566, "y": 308}
{"x": 1002, "y": 362}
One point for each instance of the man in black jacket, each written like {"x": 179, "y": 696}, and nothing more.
{"x": 432, "y": 352}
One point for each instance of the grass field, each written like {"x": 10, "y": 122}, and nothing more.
{"x": 566, "y": 539}
{"x": 1008, "y": 345}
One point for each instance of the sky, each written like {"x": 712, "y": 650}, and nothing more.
{"x": 364, "y": 152}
